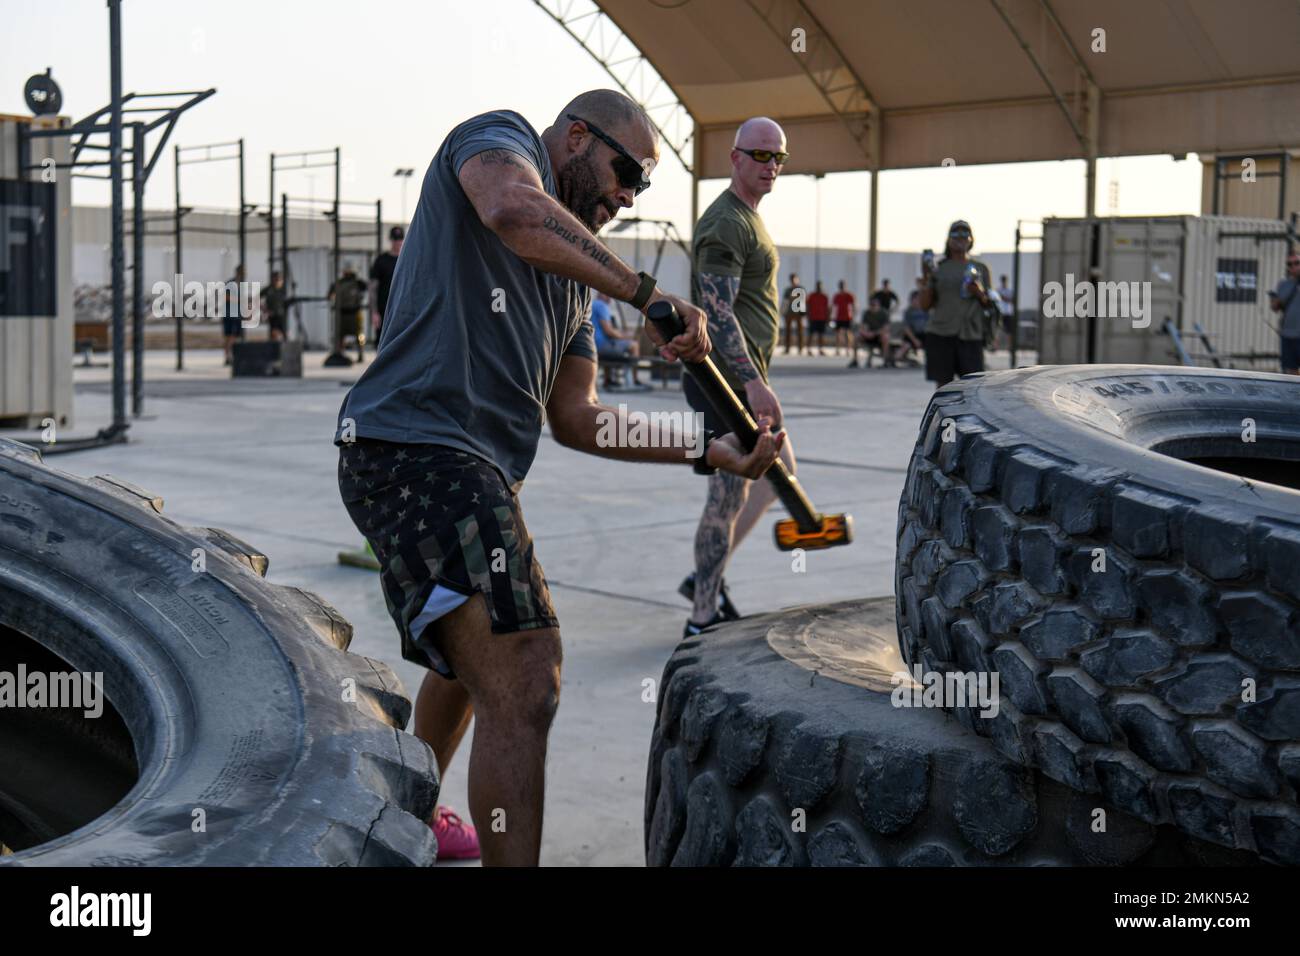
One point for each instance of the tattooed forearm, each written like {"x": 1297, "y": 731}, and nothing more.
{"x": 594, "y": 249}
{"x": 589, "y": 247}
{"x": 500, "y": 157}
{"x": 717, "y": 293}
{"x": 557, "y": 227}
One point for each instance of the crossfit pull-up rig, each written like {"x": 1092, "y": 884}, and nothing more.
{"x": 187, "y": 156}
{"x": 317, "y": 159}
{"x": 154, "y": 115}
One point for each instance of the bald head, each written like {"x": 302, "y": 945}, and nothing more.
{"x": 608, "y": 109}
{"x": 760, "y": 133}
{"x": 753, "y": 178}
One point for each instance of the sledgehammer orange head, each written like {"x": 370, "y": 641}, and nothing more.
{"x": 833, "y": 531}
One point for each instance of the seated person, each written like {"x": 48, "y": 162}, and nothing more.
{"x": 612, "y": 342}
{"x": 912, "y": 332}
{"x": 874, "y": 331}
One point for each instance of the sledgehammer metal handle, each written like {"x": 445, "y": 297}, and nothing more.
{"x": 729, "y": 408}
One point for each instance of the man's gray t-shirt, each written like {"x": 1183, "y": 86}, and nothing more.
{"x": 473, "y": 335}
{"x": 1290, "y": 328}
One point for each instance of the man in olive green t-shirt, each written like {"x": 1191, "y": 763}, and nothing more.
{"x": 735, "y": 264}
{"x": 956, "y": 290}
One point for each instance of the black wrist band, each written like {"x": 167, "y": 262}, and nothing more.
{"x": 643, "y": 292}
{"x": 701, "y": 464}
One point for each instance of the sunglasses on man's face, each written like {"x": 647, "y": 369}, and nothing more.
{"x": 1293, "y": 262}
{"x": 765, "y": 155}
{"x": 630, "y": 172}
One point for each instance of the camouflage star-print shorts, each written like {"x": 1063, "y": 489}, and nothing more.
{"x": 439, "y": 516}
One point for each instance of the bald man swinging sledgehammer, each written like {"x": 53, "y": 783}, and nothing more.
{"x": 735, "y": 266}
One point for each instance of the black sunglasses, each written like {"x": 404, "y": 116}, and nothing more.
{"x": 765, "y": 155}
{"x": 630, "y": 172}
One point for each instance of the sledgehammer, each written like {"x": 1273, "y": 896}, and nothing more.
{"x": 806, "y": 527}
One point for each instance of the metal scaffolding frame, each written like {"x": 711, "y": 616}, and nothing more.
{"x": 180, "y": 212}
{"x": 826, "y": 67}
{"x": 164, "y": 116}
{"x": 629, "y": 68}
{"x": 333, "y": 215}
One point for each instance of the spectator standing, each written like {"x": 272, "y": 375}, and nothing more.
{"x": 381, "y": 279}
{"x": 793, "y": 308}
{"x": 347, "y": 295}
{"x": 275, "y": 305}
{"x": 1286, "y": 300}
{"x": 819, "y": 316}
{"x": 843, "y": 305}
{"x": 885, "y": 298}
{"x": 1007, "y": 307}
{"x": 956, "y": 293}
{"x": 232, "y": 326}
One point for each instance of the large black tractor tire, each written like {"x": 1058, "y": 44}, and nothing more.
{"x": 244, "y": 731}
{"x": 1141, "y": 611}
{"x": 777, "y": 743}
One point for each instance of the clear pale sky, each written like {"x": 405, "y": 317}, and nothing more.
{"x": 386, "y": 81}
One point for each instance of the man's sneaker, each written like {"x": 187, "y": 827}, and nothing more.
{"x": 457, "y": 840}
{"x": 725, "y": 607}
{"x": 692, "y": 628}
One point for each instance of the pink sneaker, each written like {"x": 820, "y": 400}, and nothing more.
{"x": 457, "y": 840}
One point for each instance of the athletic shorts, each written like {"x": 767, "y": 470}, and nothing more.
{"x": 696, "y": 399}
{"x": 843, "y": 323}
{"x": 815, "y": 326}
{"x": 1290, "y": 353}
{"x": 277, "y": 323}
{"x": 232, "y": 325}
{"x": 948, "y": 357}
{"x": 444, "y": 526}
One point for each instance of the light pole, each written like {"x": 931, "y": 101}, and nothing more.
{"x": 404, "y": 175}
{"x": 817, "y": 238}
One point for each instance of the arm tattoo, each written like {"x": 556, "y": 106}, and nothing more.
{"x": 717, "y": 293}
{"x": 500, "y": 157}
{"x": 589, "y": 247}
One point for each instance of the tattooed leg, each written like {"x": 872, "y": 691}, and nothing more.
{"x": 727, "y": 494}
{"x": 761, "y": 496}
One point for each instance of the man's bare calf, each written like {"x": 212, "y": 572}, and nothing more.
{"x": 511, "y": 685}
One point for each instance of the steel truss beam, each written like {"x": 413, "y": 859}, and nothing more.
{"x": 634, "y": 74}
{"x": 826, "y": 67}
{"x": 1082, "y": 114}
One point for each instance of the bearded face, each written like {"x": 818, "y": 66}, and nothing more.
{"x": 580, "y": 190}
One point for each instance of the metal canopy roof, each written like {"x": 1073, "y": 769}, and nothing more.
{"x": 890, "y": 84}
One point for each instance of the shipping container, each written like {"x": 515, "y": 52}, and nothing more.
{"x": 36, "y": 305}
{"x": 1168, "y": 290}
